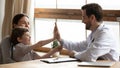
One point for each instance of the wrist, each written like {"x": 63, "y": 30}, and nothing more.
{"x": 61, "y": 41}
{"x": 71, "y": 54}
{"x": 53, "y": 39}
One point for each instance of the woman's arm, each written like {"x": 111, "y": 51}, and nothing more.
{"x": 54, "y": 50}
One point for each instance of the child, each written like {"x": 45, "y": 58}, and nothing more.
{"x": 21, "y": 49}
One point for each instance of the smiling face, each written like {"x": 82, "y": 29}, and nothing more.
{"x": 23, "y": 22}
{"x": 92, "y": 15}
{"x": 25, "y": 38}
{"x": 20, "y": 35}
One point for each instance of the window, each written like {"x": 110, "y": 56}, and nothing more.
{"x": 70, "y": 4}
{"x": 60, "y": 4}
{"x": 113, "y": 5}
{"x": 65, "y": 25}
{"x": 72, "y": 28}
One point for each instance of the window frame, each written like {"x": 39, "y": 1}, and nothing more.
{"x": 75, "y": 14}
{"x": 108, "y": 15}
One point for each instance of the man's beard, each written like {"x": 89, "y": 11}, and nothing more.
{"x": 88, "y": 26}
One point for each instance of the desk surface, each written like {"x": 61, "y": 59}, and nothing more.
{"x": 40, "y": 64}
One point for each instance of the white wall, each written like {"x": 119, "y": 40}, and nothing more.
{"x": 2, "y": 6}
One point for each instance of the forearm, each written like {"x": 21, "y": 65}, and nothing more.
{"x": 47, "y": 55}
{"x": 51, "y": 52}
{"x": 42, "y": 43}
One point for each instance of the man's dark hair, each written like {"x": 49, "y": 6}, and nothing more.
{"x": 17, "y": 32}
{"x": 16, "y": 18}
{"x": 93, "y": 9}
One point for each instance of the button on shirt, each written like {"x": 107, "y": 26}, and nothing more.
{"x": 101, "y": 45}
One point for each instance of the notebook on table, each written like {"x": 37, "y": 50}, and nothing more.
{"x": 58, "y": 59}
{"x": 96, "y": 64}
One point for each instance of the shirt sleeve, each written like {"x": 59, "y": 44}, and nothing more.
{"x": 92, "y": 53}
{"x": 6, "y": 50}
{"x": 99, "y": 47}
{"x": 23, "y": 49}
{"x": 77, "y": 46}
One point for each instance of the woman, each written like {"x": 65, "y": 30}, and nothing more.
{"x": 19, "y": 20}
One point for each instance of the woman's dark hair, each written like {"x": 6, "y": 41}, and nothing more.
{"x": 17, "y": 32}
{"x": 16, "y": 18}
{"x": 93, "y": 9}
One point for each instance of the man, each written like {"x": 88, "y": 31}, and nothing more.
{"x": 100, "y": 43}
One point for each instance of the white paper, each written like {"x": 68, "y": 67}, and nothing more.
{"x": 98, "y": 64}
{"x": 58, "y": 59}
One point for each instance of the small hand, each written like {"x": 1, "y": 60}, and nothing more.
{"x": 56, "y": 32}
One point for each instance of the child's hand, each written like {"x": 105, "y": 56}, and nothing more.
{"x": 56, "y": 33}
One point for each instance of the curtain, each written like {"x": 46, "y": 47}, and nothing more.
{"x": 13, "y": 7}
{"x": 2, "y": 6}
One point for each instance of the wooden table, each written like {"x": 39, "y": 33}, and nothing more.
{"x": 40, "y": 64}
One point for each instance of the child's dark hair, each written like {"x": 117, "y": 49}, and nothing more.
{"x": 17, "y": 32}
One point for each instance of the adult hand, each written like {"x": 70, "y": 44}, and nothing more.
{"x": 71, "y": 54}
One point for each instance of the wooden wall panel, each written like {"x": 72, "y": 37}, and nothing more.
{"x": 108, "y": 15}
